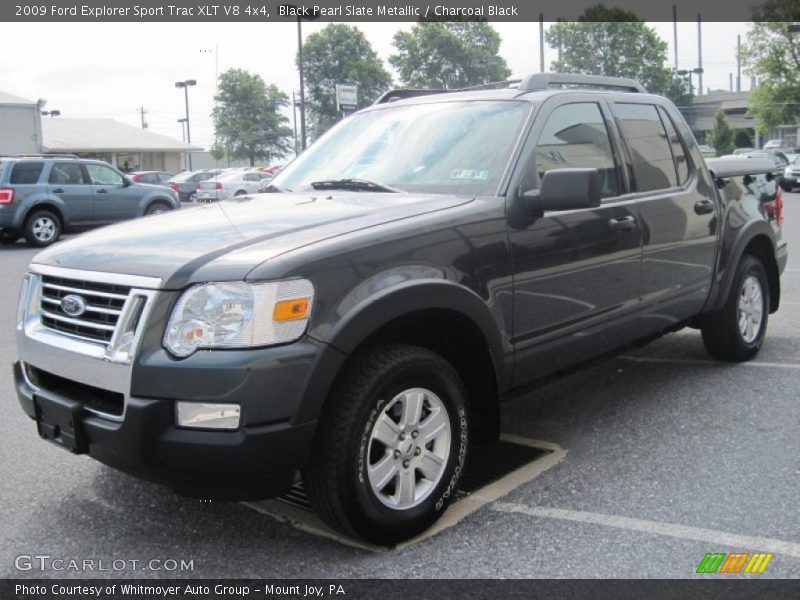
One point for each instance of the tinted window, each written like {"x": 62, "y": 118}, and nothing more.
{"x": 66, "y": 174}
{"x": 575, "y": 136}
{"x": 652, "y": 167}
{"x": 26, "y": 172}
{"x": 102, "y": 175}
{"x": 678, "y": 152}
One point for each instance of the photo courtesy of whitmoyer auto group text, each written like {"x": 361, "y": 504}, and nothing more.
{"x": 400, "y": 299}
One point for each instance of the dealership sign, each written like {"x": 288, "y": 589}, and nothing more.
{"x": 346, "y": 97}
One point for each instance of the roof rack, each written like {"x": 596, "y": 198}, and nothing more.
{"x": 545, "y": 81}
{"x": 402, "y": 94}
{"x": 54, "y": 155}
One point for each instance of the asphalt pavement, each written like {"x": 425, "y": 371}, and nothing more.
{"x": 669, "y": 455}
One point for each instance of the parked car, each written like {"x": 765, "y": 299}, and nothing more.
{"x": 154, "y": 177}
{"x": 264, "y": 185}
{"x": 707, "y": 150}
{"x": 186, "y": 183}
{"x": 791, "y": 175}
{"x": 41, "y": 196}
{"x": 778, "y": 159}
{"x": 776, "y": 144}
{"x": 229, "y": 184}
{"x": 739, "y": 151}
{"x": 427, "y": 258}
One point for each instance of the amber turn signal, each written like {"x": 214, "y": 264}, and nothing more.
{"x": 291, "y": 310}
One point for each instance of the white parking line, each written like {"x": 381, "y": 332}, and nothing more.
{"x": 700, "y": 361}
{"x": 710, "y": 536}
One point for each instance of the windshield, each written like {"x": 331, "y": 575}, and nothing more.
{"x": 442, "y": 147}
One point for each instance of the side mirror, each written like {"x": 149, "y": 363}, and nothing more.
{"x": 565, "y": 189}
{"x": 126, "y": 181}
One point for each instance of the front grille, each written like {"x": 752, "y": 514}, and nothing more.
{"x": 106, "y": 401}
{"x": 104, "y": 303}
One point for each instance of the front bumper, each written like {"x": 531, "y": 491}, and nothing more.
{"x": 250, "y": 463}
{"x": 121, "y": 409}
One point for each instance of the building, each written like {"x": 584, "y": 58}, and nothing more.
{"x": 734, "y": 105}
{"x": 20, "y": 125}
{"x": 128, "y": 148}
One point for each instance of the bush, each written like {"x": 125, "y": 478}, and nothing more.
{"x": 742, "y": 139}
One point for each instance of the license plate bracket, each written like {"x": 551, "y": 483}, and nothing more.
{"x": 58, "y": 421}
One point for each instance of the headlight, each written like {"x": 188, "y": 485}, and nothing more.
{"x": 239, "y": 315}
{"x": 22, "y": 301}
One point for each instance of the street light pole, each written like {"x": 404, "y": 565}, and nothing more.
{"x": 294, "y": 121}
{"x": 302, "y": 85}
{"x": 185, "y": 85}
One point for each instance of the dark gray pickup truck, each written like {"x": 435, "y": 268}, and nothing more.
{"x": 359, "y": 327}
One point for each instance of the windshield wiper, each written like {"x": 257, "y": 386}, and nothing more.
{"x": 356, "y": 185}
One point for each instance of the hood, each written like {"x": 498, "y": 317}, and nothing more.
{"x": 228, "y": 239}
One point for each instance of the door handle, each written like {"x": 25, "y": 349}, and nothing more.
{"x": 102, "y": 191}
{"x": 703, "y": 207}
{"x": 622, "y": 224}
{"x": 58, "y": 191}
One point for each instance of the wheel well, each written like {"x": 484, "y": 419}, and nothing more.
{"x": 52, "y": 208}
{"x": 460, "y": 341}
{"x": 761, "y": 248}
{"x": 160, "y": 201}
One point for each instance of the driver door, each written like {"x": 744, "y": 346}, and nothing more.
{"x": 114, "y": 200}
{"x": 577, "y": 273}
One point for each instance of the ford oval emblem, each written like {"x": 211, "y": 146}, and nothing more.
{"x": 73, "y": 305}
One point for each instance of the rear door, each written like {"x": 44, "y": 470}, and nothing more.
{"x": 577, "y": 273}
{"x": 113, "y": 199}
{"x": 678, "y": 211}
{"x": 68, "y": 181}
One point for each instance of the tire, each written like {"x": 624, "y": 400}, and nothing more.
{"x": 42, "y": 228}
{"x": 726, "y": 335}
{"x": 9, "y": 236}
{"x": 378, "y": 385}
{"x": 157, "y": 207}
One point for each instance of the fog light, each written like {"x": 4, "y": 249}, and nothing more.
{"x": 208, "y": 416}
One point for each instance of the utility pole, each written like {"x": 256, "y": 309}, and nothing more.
{"x": 302, "y": 85}
{"x": 541, "y": 42}
{"x": 143, "y": 112}
{"x": 675, "y": 32}
{"x": 730, "y": 81}
{"x": 558, "y": 49}
{"x": 699, "y": 55}
{"x": 738, "y": 63}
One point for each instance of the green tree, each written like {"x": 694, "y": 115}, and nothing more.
{"x": 615, "y": 42}
{"x": 772, "y": 53}
{"x": 449, "y": 55}
{"x": 721, "y": 135}
{"x": 742, "y": 139}
{"x": 247, "y": 117}
{"x": 339, "y": 54}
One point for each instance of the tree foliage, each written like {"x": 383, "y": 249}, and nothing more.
{"x": 615, "y": 42}
{"x": 447, "y": 55}
{"x": 742, "y": 139}
{"x": 772, "y": 53}
{"x": 247, "y": 118}
{"x": 721, "y": 135}
{"x": 339, "y": 54}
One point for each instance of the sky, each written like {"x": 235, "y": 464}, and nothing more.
{"x": 111, "y": 70}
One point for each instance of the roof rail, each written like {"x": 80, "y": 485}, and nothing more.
{"x": 544, "y": 81}
{"x": 54, "y": 155}
{"x": 401, "y": 94}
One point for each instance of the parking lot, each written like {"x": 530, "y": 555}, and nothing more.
{"x": 669, "y": 456}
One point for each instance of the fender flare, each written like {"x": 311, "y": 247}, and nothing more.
{"x": 48, "y": 203}
{"x": 724, "y": 281}
{"x": 380, "y": 309}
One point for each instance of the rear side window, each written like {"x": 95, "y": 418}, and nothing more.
{"x": 26, "y": 172}
{"x": 575, "y": 136}
{"x": 652, "y": 167}
{"x": 66, "y": 174}
{"x": 678, "y": 152}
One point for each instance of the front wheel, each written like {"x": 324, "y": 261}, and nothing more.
{"x": 735, "y": 333}
{"x": 156, "y": 208}
{"x": 392, "y": 444}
